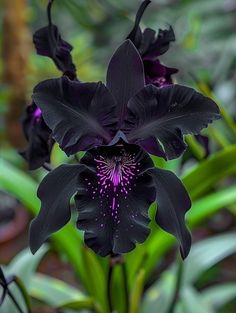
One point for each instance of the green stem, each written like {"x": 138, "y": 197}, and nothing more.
{"x": 109, "y": 287}
{"x": 115, "y": 260}
{"x": 137, "y": 292}
{"x": 23, "y": 291}
{"x": 195, "y": 147}
{"x": 177, "y": 287}
{"x": 218, "y": 137}
{"x": 126, "y": 291}
{"x": 14, "y": 301}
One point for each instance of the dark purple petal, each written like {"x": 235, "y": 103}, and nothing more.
{"x": 125, "y": 76}
{"x": 173, "y": 202}
{"x": 48, "y": 42}
{"x": 160, "y": 45}
{"x": 152, "y": 146}
{"x": 114, "y": 197}
{"x": 157, "y": 73}
{"x": 147, "y": 39}
{"x": 38, "y": 136}
{"x": 136, "y": 35}
{"x": 80, "y": 115}
{"x": 55, "y": 192}
{"x": 167, "y": 114}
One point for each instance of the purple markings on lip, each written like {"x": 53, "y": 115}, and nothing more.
{"x": 115, "y": 178}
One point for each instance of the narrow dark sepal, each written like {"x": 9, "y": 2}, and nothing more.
{"x": 48, "y": 42}
{"x": 125, "y": 76}
{"x": 38, "y": 136}
{"x": 160, "y": 45}
{"x": 55, "y": 192}
{"x": 173, "y": 202}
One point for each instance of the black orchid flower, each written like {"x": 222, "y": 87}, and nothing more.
{"x": 48, "y": 42}
{"x": 151, "y": 46}
{"x": 116, "y": 181}
{"x": 38, "y": 135}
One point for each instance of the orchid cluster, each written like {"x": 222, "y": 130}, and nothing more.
{"x": 139, "y": 112}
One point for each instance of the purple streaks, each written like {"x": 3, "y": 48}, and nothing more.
{"x": 116, "y": 176}
{"x": 37, "y": 114}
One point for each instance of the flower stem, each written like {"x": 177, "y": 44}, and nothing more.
{"x": 14, "y": 301}
{"x": 50, "y": 2}
{"x": 126, "y": 291}
{"x": 177, "y": 287}
{"x": 109, "y": 287}
{"x": 117, "y": 260}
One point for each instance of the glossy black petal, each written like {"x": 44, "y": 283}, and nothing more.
{"x": 173, "y": 202}
{"x": 55, "y": 192}
{"x": 38, "y": 136}
{"x": 136, "y": 35}
{"x": 114, "y": 196}
{"x": 125, "y": 76}
{"x": 48, "y": 42}
{"x": 167, "y": 114}
{"x": 80, "y": 115}
{"x": 148, "y": 44}
{"x": 160, "y": 44}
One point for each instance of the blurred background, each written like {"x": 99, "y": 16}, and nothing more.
{"x": 205, "y": 54}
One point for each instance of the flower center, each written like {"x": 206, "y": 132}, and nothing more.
{"x": 116, "y": 175}
{"x": 116, "y": 171}
{"x": 160, "y": 80}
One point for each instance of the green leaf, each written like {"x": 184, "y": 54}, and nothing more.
{"x": 20, "y": 185}
{"x": 118, "y": 289}
{"x": 55, "y": 292}
{"x": 202, "y": 257}
{"x": 192, "y": 302}
{"x": 207, "y": 253}
{"x": 218, "y": 296}
{"x": 158, "y": 297}
{"x": 95, "y": 276}
{"x": 207, "y": 173}
{"x": 58, "y": 156}
{"x": 137, "y": 291}
{"x": 23, "y": 265}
